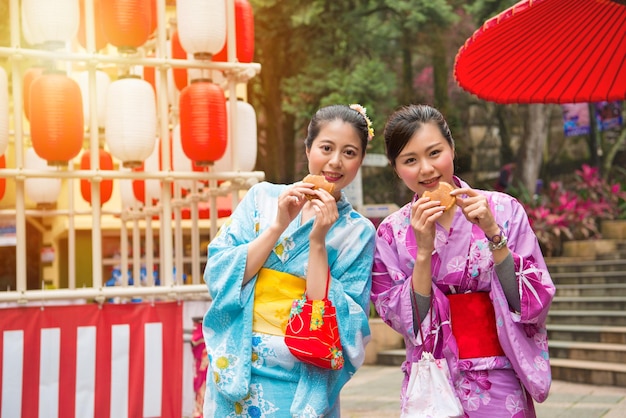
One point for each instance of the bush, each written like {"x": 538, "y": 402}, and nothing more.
{"x": 575, "y": 211}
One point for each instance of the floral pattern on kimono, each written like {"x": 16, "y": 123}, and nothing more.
{"x": 461, "y": 263}
{"x": 249, "y": 369}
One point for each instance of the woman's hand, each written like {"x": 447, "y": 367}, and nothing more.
{"x": 424, "y": 215}
{"x": 290, "y": 203}
{"x": 326, "y": 214}
{"x": 475, "y": 207}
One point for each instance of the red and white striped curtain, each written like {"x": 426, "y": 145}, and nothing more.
{"x": 90, "y": 361}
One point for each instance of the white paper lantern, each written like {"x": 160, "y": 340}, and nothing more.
{"x": 126, "y": 192}
{"x": 52, "y": 23}
{"x": 4, "y": 111}
{"x": 103, "y": 81}
{"x": 151, "y": 165}
{"x": 197, "y": 73}
{"x": 201, "y": 26}
{"x": 30, "y": 37}
{"x": 245, "y": 140}
{"x": 131, "y": 123}
{"x": 43, "y": 191}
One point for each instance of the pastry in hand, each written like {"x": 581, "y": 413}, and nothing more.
{"x": 442, "y": 194}
{"x": 319, "y": 183}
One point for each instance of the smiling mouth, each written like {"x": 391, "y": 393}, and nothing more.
{"x": 331, "y": 178}
{"x": 429, "y": 183}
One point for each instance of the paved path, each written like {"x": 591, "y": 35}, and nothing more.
{"x": 374, "y": 392}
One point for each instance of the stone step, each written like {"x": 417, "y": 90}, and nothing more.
{"x": 576, "y": 350}
{"x": 589, "y": 372}
{"x": 586, "y": 303}
{"x": 589, "y": 277}
{"x": 393, "y": 357}
{"x": 595, "y": 317}
{"x": 600, "y": 289}
{"x": 601, "y": 372}
{"x": 575, "y": 265}
{"x": 617, "y": 255}
{"x": 587, "y": 333}
{"x": 615, "y": 229}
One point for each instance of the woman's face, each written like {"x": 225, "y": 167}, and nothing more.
{"x": 426, "y": 160}
{"x": 336, "y": 154}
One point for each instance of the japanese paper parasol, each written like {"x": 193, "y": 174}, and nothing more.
{"x": 548, "y": 51}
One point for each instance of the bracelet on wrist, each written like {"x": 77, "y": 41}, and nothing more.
{"x": 498, "y": 241}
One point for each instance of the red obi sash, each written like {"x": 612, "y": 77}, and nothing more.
{"x": 473, "y": 322}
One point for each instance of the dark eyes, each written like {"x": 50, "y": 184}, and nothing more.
{"x": 328, "y": 148}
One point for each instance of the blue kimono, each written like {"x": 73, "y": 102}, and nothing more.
{"x": 252, "y": 373}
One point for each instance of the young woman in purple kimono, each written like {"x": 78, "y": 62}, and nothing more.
{"x": 481, "y": 289}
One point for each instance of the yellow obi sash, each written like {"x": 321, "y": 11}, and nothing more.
{"x": 274, "y": 294}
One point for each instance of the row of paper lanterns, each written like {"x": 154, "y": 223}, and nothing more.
{"x": 128, "y": 24}
{"x": 55, "y": 111}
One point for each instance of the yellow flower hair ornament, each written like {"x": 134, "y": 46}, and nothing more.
{"x": 363, "y": 111}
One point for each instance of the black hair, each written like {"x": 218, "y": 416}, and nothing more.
{"x": 404, "y": 122}
{"x": 344, "y": 113}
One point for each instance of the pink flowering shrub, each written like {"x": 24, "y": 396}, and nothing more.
{"x": 574, "y": 212}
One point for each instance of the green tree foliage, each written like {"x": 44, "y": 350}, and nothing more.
{"x": 315, "y": 53}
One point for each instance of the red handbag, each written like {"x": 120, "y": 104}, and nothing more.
{"x": 312, "y": 333}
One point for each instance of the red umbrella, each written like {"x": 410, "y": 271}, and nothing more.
{"x": 548, "y": 51}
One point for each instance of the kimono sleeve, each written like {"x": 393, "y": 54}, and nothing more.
{"x": 535, "y": 285}
{"x": 351, "y": 292}
{"x": 390, "y": 288}
{"x": 227, "y": 255}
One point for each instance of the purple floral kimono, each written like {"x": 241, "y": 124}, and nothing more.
{"x": 502, "y": 386}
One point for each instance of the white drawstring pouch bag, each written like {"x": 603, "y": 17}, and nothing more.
{"x": 430, "y": 393}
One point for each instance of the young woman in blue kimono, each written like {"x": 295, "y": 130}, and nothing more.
{"x": 472, "y": 277}
{"x": 282, "y": 241}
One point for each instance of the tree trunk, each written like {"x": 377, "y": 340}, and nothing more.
{"x": 530, "y": 154}
{"x": 504, "y": 121}
{"x": 610, "y": 156}
{"x": 406, "y": 93}
{"x": 440, "y": 71}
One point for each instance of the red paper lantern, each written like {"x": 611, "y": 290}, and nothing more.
{"x": 139, "y": 186}
{"x": 106, "y": 186}
{"x": 29, "y": 76}
{"x": 244, "y": 27}
{"x": 161, "y": 162}
{"x": 180, "y": 74}
{"x": 203, "y": 122}
{"x": 148, "y": 189}
{"x": 149, "y": 74}
{"x": 153, "y": 16}
{"x": 100, "y": 37}
{"x": 180, "y": 162}
{"x": 56, "y": 118}
{"x": 127, "y": 23}
{"x": 3, "y": 181}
